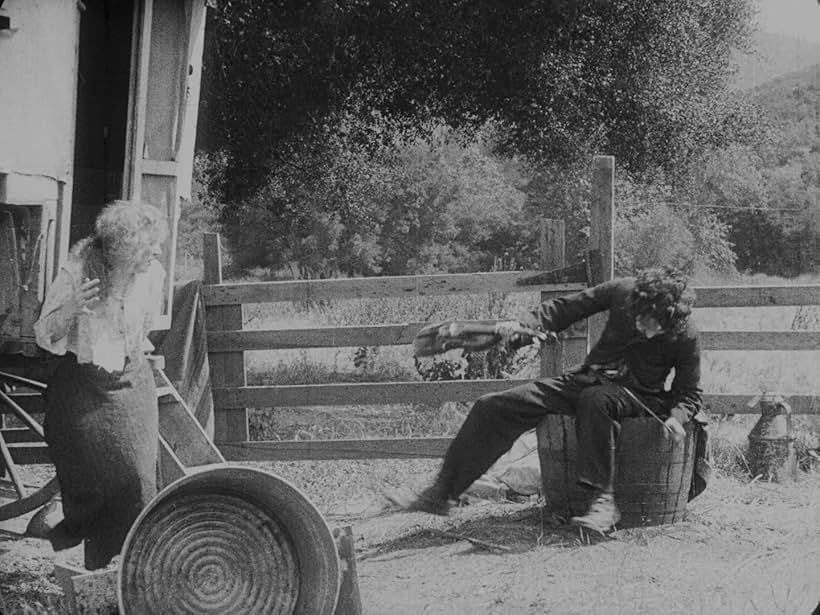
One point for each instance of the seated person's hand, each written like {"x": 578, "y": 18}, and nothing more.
{"x": 674, "y": 429}
{"x": 508, "y": 329}
{"x": 512, "y": 331}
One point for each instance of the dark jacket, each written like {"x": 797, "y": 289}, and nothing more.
{"x": 648, "y": 361}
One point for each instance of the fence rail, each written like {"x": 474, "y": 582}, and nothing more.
{"x": 377, "y": 393}
{"x": 374, "y": 288}
{"x": 319, "y": 337}
{"x": 465, "y": 283}
{"x": 757, "y": 296}
{"x": 402, "y": 334}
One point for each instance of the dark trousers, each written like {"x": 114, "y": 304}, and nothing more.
{"x": 498, "y": 419}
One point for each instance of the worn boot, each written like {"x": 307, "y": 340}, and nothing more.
{"x": 431, "y": 500}
{"x": 602, "y": 515}
{"x": 48, "y": 523}
{"x": 45, "y": 520}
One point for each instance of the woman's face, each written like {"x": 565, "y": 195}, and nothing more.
{"x": 151, "y": 252}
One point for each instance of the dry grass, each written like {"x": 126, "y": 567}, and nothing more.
{"x": 27, "y": 584}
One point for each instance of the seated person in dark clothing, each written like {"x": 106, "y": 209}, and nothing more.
{"x": 648, "y": 333}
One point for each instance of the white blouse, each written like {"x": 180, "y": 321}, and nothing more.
{"x": 112, "y": 330}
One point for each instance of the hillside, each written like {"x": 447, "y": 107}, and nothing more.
{"x": 779, "y": 172}
{"x": 792, "y": 102}
{"x": 775, "y": 55}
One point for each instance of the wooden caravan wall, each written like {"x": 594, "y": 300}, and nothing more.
{"x": 37, "y": 94}
{"x": 98, "y": 102}
{"x": 38, "y": 75}
{"x": 163, "y": 119}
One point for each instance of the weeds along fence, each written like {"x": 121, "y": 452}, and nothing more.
{"x": 228, "y": 341}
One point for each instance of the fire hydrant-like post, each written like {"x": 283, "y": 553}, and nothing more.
{"x": 772, "y": 454}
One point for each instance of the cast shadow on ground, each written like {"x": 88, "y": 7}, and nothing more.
{"x": 511, "y": 532}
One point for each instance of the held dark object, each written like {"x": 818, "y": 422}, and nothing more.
{"x": 588, "y": 271}
{"x": 469, "y": 335}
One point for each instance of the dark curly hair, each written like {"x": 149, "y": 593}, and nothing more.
{"x": 663, "y": 293}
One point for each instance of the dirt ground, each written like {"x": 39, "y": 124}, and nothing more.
{"x": 744, "y": 547}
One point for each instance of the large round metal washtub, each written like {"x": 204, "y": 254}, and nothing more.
{"x": 229, "y": 540}
{"x": 652, "y": 478}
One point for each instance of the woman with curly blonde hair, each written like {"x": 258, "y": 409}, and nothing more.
{"x": 101, "y": 421}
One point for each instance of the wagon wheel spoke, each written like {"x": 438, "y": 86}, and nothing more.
{"x": 11, "y": 468}
{"x": 21, "y": 414}
{"x": 27, "y": 498}
{"x": 30, "y": 502}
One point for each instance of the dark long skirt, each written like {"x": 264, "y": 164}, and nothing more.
{"x": 102, "y": 433}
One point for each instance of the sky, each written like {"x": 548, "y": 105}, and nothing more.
{"x": 799, "y": 18}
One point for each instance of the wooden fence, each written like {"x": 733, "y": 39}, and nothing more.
{"x": 227, "y": 341}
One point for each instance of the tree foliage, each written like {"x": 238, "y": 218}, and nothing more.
{"x": 644, "y": 80}
{"x": 657, "y": 226}
{"x": 767, "y": 191}
{"x": 387, "y": 137}
{"x": 411, "y": 204}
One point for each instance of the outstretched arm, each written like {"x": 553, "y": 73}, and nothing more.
{"x": 558, "y": 314}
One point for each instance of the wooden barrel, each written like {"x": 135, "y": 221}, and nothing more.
{"x": 652, "y": 477}
{"x": 229, "y": 539}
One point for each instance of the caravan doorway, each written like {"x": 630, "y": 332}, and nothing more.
{"x": 104, "y": 84}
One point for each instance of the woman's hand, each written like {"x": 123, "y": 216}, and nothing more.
{"x": 86, "y": 296}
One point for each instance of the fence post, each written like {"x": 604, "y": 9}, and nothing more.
{"x": 227, "y": 368}
{"x": 602, "y": 228}
{"x": 552, "y": 254}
